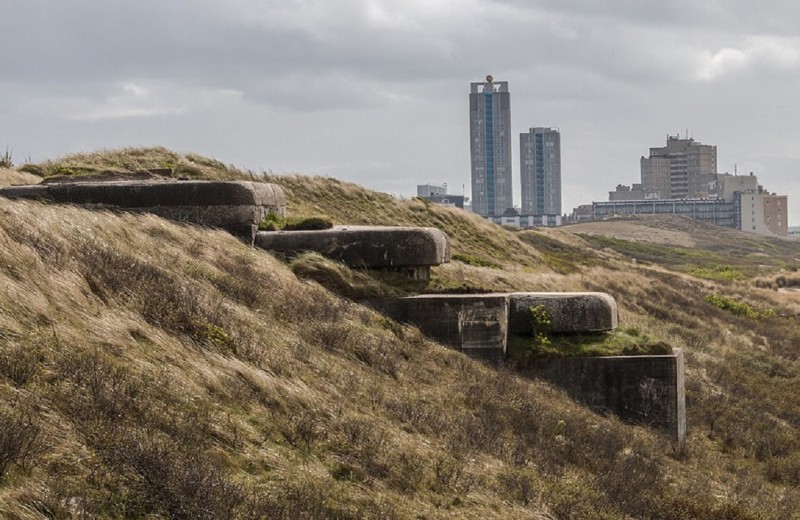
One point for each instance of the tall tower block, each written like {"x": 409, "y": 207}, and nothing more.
{"x": 540, "y": 171}
{"x": 490, "y": 146}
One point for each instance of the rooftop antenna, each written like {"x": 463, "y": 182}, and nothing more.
{"x": 735, "y": 169}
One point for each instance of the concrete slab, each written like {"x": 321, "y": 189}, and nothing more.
{"x": 410, "y": 249}
{"x": 569, "y": 312}
{"x": 237, "y": 206}
{"x": 641, "y": 389}
{"x": 472, "y": 323}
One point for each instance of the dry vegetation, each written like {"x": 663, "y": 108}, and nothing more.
{"x": 158, "y": 160}
{"x": 11, "y": 177}
{"x": 154, "y": 370}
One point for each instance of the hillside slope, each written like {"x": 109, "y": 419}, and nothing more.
{"x": 149, "y": 368}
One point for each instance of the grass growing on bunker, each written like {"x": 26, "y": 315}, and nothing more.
{"x": 621, "y": 342}
{"x": 275, "y": 222}
{"x": 543, "y": 343}
{"x": 354, "y": 284}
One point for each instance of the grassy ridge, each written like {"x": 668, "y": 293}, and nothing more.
{"x": 152, "y": 368}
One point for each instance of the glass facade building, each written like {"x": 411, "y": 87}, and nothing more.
{"x": 490, "y": 147}
{"x": 540, "y": 171}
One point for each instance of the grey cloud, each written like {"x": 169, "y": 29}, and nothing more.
{"x": 735, "y": 16}
{"x": 273, "y": 83}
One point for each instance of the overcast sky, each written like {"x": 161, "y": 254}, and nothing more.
{"x": 376, "y": 91}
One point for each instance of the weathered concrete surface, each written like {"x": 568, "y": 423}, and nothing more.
{"x": 237, "y": 206}
{"x": 569, "y": 312}
{"x": 474, "y": 324}
{"x": 408, "y": 249}
{"x": 640, "y": 389}
{"x": 460, "y": 321}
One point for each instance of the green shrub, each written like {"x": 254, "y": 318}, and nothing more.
{"x": 542, "y": 325}
{"x": 216, "y": 337}
{"x": 272, "y": 222}
{"x": 738, "y": 308}
{"x": 621, "y": 342}
{"x": 275, "y": 222}
{"x": 719, "y": 272}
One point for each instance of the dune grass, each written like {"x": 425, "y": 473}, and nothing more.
{"x": 150, "y": 368}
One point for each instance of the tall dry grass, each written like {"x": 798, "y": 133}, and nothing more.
{"x": 169, "y": 370}
{"x": 12, "y": 177}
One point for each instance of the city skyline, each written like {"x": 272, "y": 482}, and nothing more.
{"x": 372, "y": 91}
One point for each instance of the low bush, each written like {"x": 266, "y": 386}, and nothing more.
{"x": 718, "y": 272}
{"x": 179, "y": 481}
{"x": 736, "y": 307}
{"x": 19, "y": 362}
{"x": 19, "y": 435}
{"x": 276, "y": 222}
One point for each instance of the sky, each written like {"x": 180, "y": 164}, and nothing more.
{"x": 377, "y": 91}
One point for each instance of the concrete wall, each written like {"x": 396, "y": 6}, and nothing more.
{"x": 474, "y": 324}
{"x": 640, "y": 389}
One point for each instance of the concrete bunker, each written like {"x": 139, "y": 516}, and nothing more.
{"x": 410, "y": 250}
{"x": 647, "y": 389}
{"x": 236, "y": 206}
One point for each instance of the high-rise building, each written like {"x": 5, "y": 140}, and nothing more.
{"x": 540, "y": 171}
{"x": 490, "y": 147}
{"x": 682, "y": 169}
